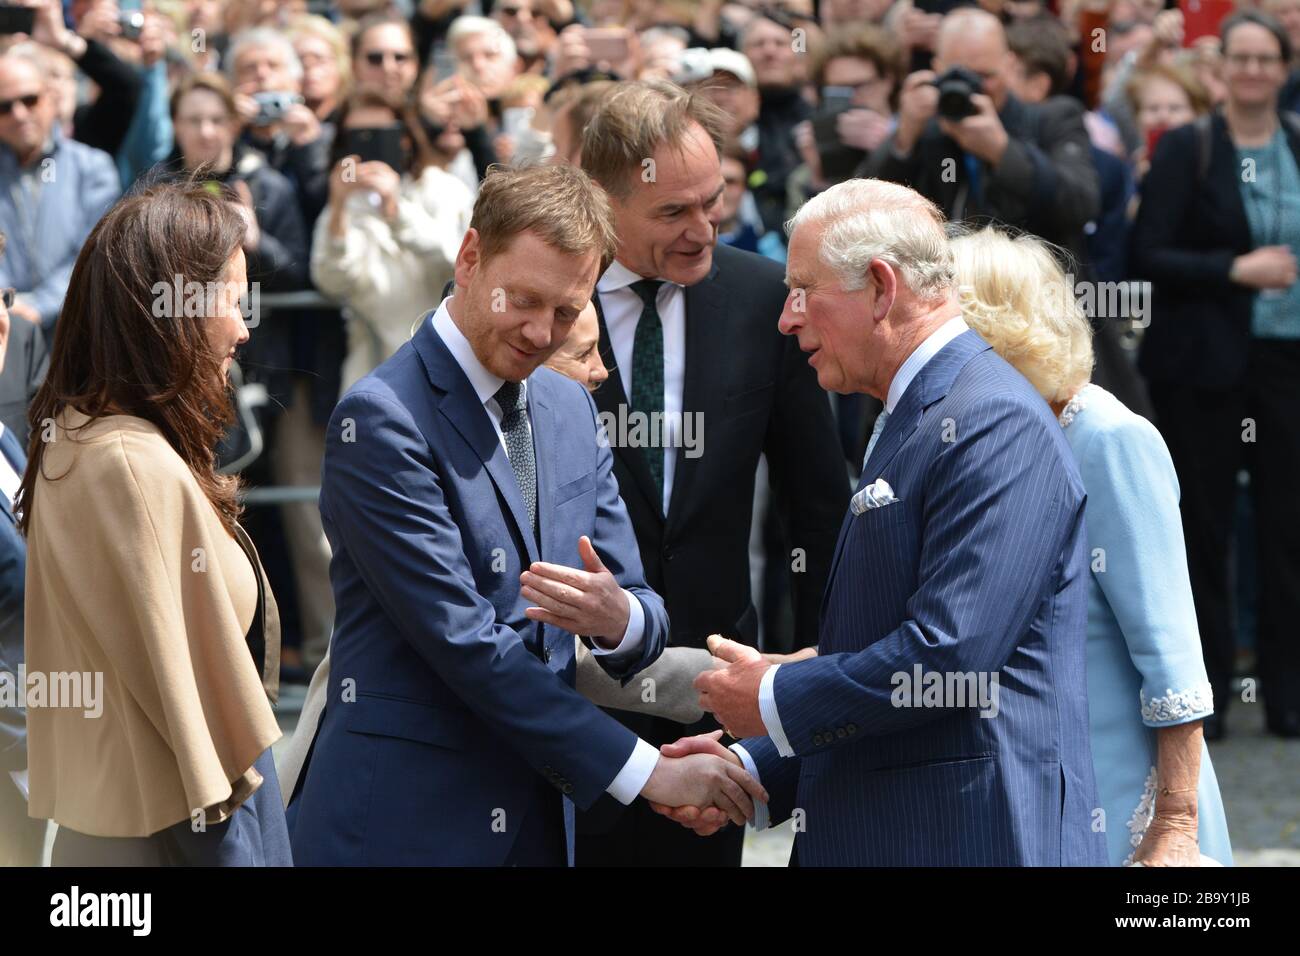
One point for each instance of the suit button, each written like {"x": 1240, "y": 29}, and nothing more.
{"x": 567, "y": 789}
{"x": 852, "y": 729}
{"x": 841, "y": 732}
{"x": 817, "y": 740}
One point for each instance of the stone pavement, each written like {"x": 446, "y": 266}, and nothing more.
{"x": 1259, "y": 777}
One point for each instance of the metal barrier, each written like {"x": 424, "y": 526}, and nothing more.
{"x": 250, "y": 397}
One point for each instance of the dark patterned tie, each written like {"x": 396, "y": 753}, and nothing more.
{"x": 519, "y": 444}
{"x": 648, "y": 370}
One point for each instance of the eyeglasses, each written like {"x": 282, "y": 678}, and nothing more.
{"x": 7, "y": 296}
{"x": 29, "y": 101}
{"x": 377, "y": 57}
{"x": 1264, "y": 60}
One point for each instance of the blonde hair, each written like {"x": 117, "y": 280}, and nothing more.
{"x": 313, "y": 25}
{"x": 559, "y": 204}
{"x": 1014, "y": 293}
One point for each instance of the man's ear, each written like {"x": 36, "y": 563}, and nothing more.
{"x": 468, "y": 259}
{"x": 884, "y": 283}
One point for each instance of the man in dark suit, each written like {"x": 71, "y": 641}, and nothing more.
{"x": 21, "y": 837}
{"x": 26, "y": 360}
{"x": 689, "y": 334}
{"x": 944, "y": 719}
{"x": 476, "y": 528}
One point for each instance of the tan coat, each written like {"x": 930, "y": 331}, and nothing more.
{"x": 130, "y": 574}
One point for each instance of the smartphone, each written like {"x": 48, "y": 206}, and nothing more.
{"x": 608, "y": 44}
{"x": 17, "y": 19}
{"x": 376, "y": 144}
{"x": 1201, "y": 18}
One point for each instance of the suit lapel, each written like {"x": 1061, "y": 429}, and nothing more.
{"x": 461, "y": 407}
{"x": 544, "y": 431}
{"x": 704, "y": 309}
{"x": 931, "y": 384}
{"x": 610, "y": 397}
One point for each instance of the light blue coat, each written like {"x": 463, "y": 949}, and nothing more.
{"x": 1145, "y": 669}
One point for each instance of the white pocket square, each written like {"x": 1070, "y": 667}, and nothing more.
{"x": 875, "y": 495}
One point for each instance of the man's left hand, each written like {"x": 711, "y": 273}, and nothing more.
{"x": 587, "y": 601}
{"x": 730, "y": 691}
{"x": 981, "y": 135}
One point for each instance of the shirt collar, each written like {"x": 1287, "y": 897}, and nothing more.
{"x": 485, "y": 383}
{"x": 619, "y": 276}
{"x": 927, "y": 350}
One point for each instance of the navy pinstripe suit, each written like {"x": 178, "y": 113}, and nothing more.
{"x": 980, "y": 566}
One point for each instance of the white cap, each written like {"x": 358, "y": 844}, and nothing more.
{"x": 724, "y": 60}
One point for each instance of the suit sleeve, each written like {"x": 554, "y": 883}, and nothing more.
{"x": 381, "y": 490}
{"x": 809, "y": 482}
{"x": 1140, "y": 561}
{"x": 999, "y": 510}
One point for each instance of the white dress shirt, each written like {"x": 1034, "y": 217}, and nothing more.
{"x": 907, "y": 372}
{"x": 632, "y": 778}
{"x": 622, "y": 307}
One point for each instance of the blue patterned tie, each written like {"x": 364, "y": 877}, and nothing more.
{"x": 648, "y": 370}
{"x": 875, "y": 435}
{"x": 519, "y": 444}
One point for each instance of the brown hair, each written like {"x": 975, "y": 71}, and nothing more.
{"x": 113, "y": 354}
{"x": 867, "y": 42}
{"x": 1197, "y": 95}
{"x": 214, "y": 83}
{"x": 1042, "y": 45}
{"x": 635, "y": 119}
{"x": 557, "y": 203}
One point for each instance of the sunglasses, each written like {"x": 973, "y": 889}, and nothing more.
{"x": 7, "y": 296}
{"x": 377, "y": 57}
{"x": 29, "y": 101}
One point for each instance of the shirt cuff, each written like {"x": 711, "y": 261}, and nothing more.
{"x": 767, "y": 709}
{"x": 19, "y": 778}
{"x": 630, "y": 646}
{"x": 761, "y": 820}
{"x": 631, "y": 780}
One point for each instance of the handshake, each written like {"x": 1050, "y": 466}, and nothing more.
{"x": 702, "y": 785}
{"x": 730, "y": 692}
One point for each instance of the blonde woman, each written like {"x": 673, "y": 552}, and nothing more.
{"x": 1147, "y": 687}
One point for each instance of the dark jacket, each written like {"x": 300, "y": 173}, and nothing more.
{"x": 13, "y": 574}
{"x": 779, "y": 112}
{"x": 1189, "y": 229}
{"x": 1045, "y": 184}
{"x": 26, "y": 361}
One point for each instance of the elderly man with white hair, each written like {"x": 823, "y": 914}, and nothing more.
{"x": 945, "y": 719}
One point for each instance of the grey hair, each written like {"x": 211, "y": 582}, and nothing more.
{"x": 470, "y": 25}
{"x": 868, "y": 219}
{"x": 260, "y": 37}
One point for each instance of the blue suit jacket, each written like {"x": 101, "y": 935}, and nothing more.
{"x": 979, "y": 567}
{"x": 13, "y": 577}
{"x": 449, "y": 712}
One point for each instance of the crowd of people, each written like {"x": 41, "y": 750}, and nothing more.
{"x": 691, "y": 209}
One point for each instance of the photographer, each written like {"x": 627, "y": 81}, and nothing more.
{"x": 266, "y": 75}
{"x": 965, "y": 142}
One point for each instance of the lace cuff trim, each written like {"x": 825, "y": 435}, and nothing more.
{"x": 1142, "y": 816}
{"x": 1197, "y": 701}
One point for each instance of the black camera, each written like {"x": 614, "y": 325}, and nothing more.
{"x": 956, "y": 87}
